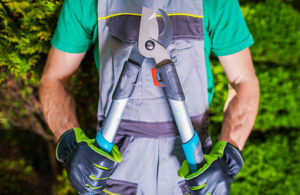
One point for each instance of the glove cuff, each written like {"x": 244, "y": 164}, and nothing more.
{"x": 65, "y": 145}
{"x": 222, "y": 150}
{"x": 234, "y": 159}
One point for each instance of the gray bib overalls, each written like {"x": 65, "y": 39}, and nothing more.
{"x": 147, "y": 135}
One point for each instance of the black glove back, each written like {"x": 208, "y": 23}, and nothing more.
{"x": 88, "y": 166}
{"x": 215, "y": 177}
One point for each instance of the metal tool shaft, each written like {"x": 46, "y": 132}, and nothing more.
{"x": 182, "y": 120}
{"x": 113, "y": 119}
{"x": 122, "y": 93}
{"x": 169, "y": 80}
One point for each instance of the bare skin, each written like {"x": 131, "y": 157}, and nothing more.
{"x": 239, "y": 114}
{"x": 57, "y": 104}
{"x": 242, "y": 103}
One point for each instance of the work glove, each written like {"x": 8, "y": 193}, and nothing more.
{"x": 222, "y": 164}
{"x": 87, "y": 165}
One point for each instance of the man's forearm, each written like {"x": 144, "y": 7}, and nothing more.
{"x": 58, "y": 106}
{"x": 240, "y": 112}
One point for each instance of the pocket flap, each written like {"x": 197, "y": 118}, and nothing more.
{"x": 126, "y": 27}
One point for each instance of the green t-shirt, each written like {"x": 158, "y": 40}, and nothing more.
{"x": 225, "y": 30}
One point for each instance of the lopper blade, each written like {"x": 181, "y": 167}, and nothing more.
{"x": 148, "y": 43}
{"x": 166, "y": 35}
{"x": 148, "y": 30}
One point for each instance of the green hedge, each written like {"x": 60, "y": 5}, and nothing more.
{"x": 275, "y": 27}
{"x": 272, "y": 166}
{"x": 271, "y": 153}
{"x": 280, "y": 97}
{"x": 26, "y": 30}
{"x": 17, "y": 177}
{"x": 276, "y": 61}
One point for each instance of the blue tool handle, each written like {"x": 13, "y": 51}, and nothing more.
{"x": 193, "y": 152}
{"x": 102, "y": 143}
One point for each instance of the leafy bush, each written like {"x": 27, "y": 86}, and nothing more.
{"x": 276, "y": 62}
{"x": 271, "y": 166}
{"x": 26, "y": 30}
{"x": 63, "y": 186}
{"x": 17, "y": 177}
{"x": 279, "y": 99}
{"x": 275, "y": 27}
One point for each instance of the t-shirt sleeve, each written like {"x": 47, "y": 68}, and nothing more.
{"x": 73, "y": 34}
{"x": 229, "y": 32}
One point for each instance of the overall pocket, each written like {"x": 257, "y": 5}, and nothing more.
{"x": 190, "y": 66}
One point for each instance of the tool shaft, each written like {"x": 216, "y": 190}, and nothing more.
{"x": 182, "y": 120}
{"x": 122, "y": 93}
{"x": 168, "y": 78}
{"x": 113, "y": 119}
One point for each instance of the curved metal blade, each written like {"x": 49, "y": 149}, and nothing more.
{"x": 148, "y": 26}
{"x": 149, "y": 32}
{"x": 166, "y": 35}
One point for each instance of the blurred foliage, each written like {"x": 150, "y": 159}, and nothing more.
{"x": 280, "y": 97}
{"x": 271, "y": 164}
{"x": 4, "y": 122}
{"x": 275, "y": 27}
{"x": 29, "y": 158}
{"x": 271, "y": 154}
{"x": 26, "y": 30}
{"x": 276, "y": 61}
{"x": 63, "y": 186}
{"x": 17, "y": 172}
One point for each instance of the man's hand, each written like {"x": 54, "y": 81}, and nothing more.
{"x": 88, "y": 166}
{"x": 222, "y": 164}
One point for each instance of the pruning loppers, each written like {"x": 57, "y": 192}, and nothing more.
{"x": 151, "y": 44}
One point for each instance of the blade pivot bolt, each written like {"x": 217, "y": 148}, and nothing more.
{"x": 150, "y": 45}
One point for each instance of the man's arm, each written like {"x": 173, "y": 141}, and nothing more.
{"x": 57, "y": 104}
{"x": 79, "y": 154}
{"x": 225, "y": 160}
{"x": 243, "y": 98}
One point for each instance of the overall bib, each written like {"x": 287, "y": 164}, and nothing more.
{"x": 147, "y": 137}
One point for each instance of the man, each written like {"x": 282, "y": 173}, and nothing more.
{"x": 147, "y": 137}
